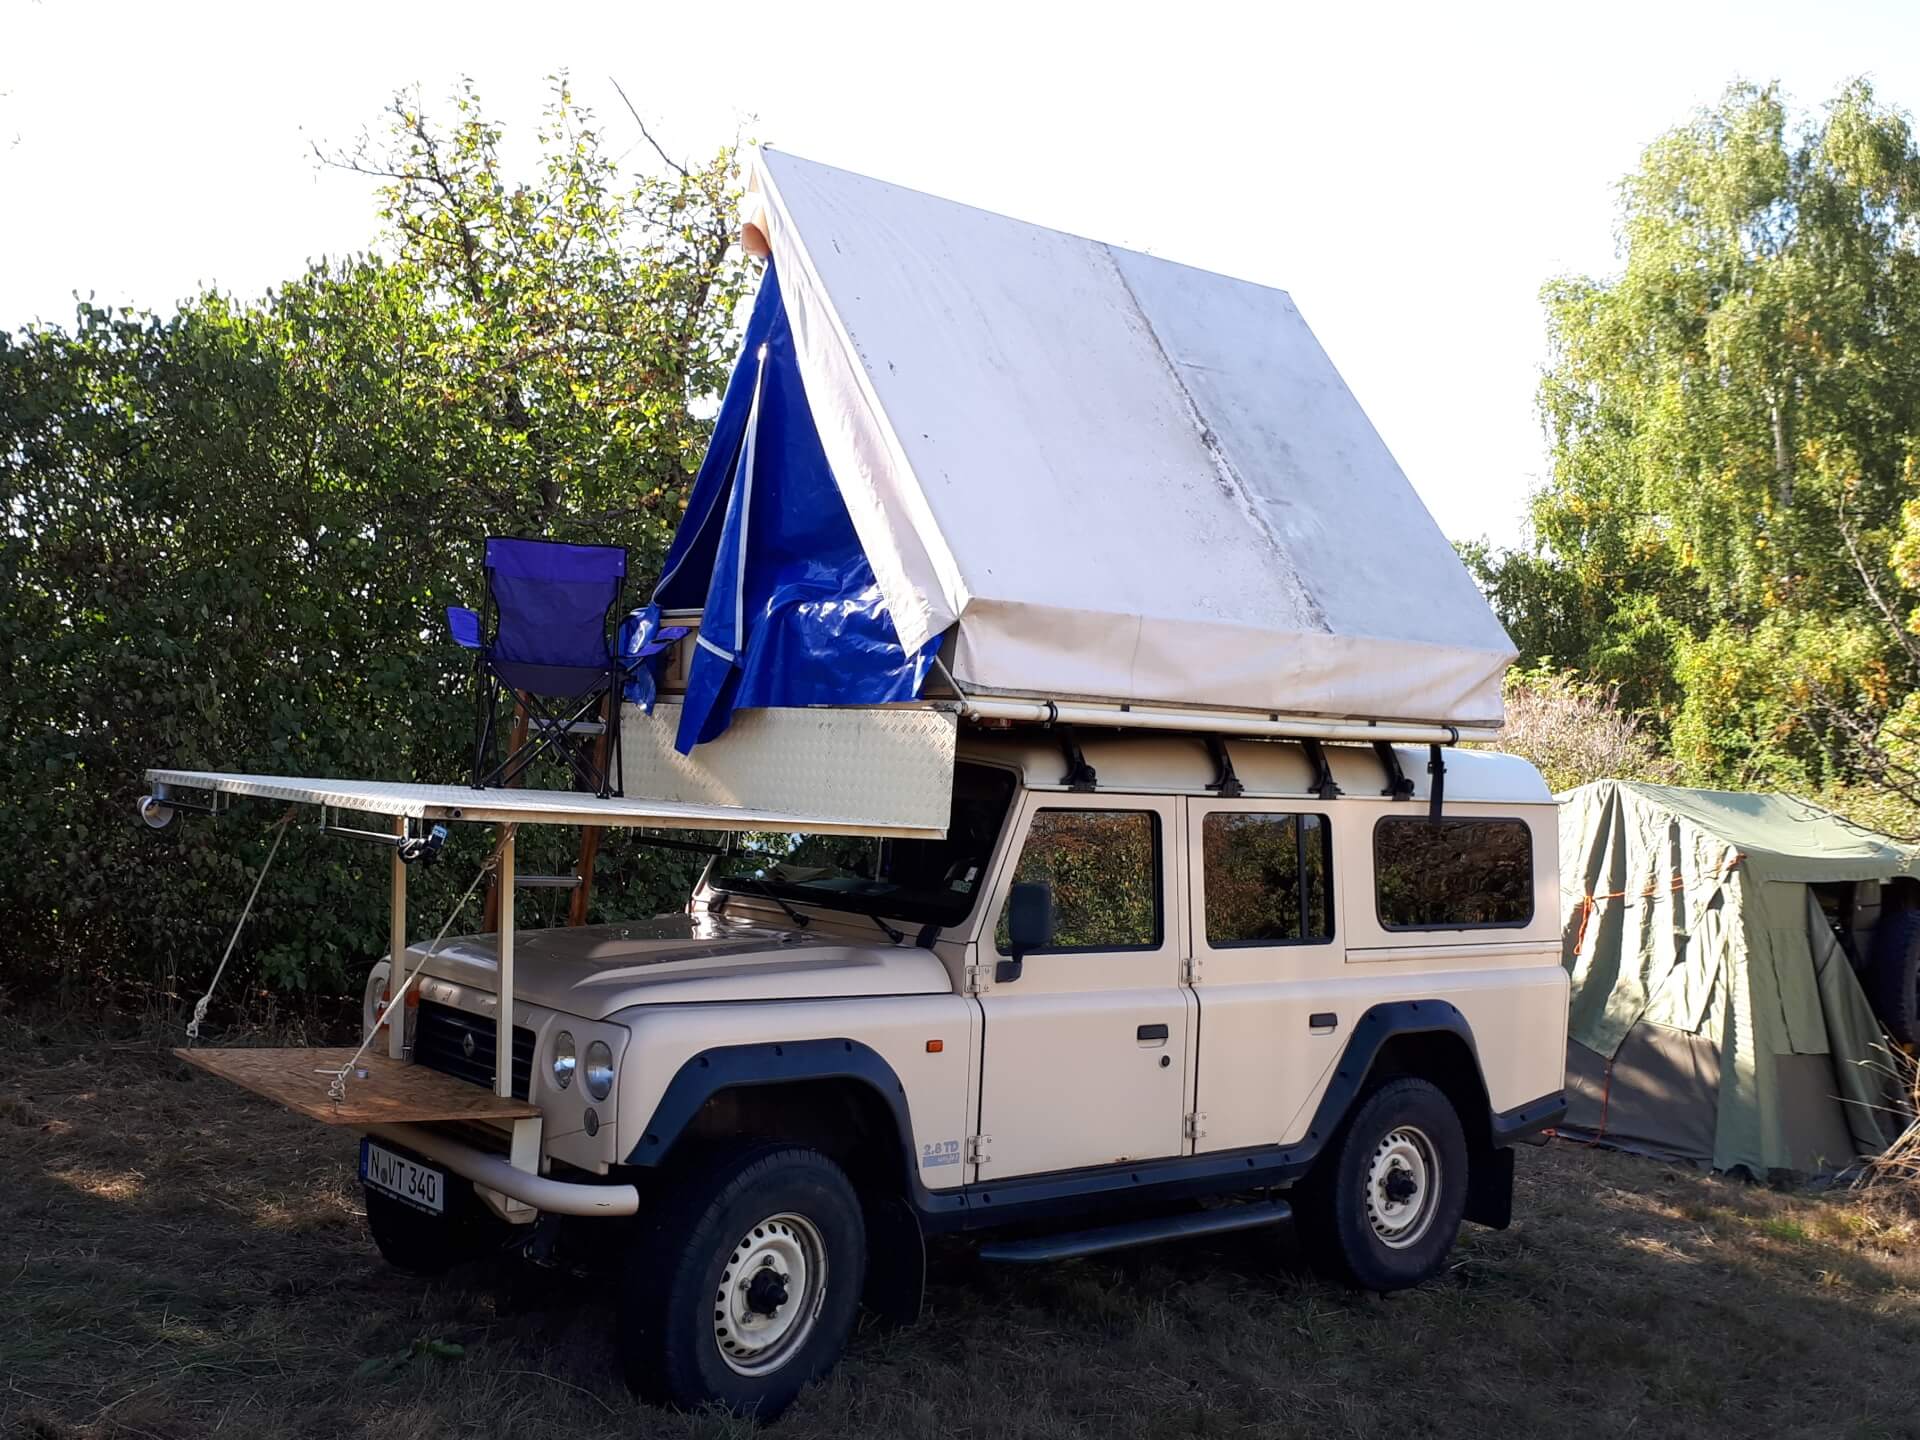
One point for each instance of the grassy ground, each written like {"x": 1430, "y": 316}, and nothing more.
{"x": 178, "y": 1259}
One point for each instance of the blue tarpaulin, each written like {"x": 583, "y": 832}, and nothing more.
{"x": 790, "y": 612}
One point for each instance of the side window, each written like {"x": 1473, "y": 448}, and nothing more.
{"x": 1452, "y": 874}
{"x": 1267, "y": 878}
{"x": 1104, "y": 869}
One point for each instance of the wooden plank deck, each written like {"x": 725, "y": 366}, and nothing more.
{"x": 394, "y": 1092}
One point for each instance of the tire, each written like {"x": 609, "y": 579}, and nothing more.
{"x": 1358, "y": 1219}
{"x": 1893, "y": 980}
{"x": 416, "y": 1243}
{"x": 743, "y": 1287}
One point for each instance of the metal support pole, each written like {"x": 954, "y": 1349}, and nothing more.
{"x": 397, "y": 947}
{"x": 503, "y": 1017}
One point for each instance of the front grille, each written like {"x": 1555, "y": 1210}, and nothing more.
{"x": 440, "y": 1043}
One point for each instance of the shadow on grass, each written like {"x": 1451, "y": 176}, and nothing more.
{"x": 182, "y": 1260}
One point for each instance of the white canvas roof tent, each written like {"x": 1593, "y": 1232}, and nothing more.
{"x": 1110, "y": 478}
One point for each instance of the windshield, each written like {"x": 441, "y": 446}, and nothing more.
{"x": 926, "y": 881}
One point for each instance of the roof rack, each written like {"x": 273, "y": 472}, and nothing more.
{"x": 1219, "y": 722}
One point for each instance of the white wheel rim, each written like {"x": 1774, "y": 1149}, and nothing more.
{"x": 770, "y": 1293}
{"x": 1403, "y": 1187}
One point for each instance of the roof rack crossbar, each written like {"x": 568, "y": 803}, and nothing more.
{"x": 1322, "y": 786}
{"x": 1399, "y": 786}
{"x": 1080, "y": 775}
{"x": 1225, "y": 783}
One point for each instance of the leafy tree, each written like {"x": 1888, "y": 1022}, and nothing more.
{"x": 565, "y": 321}
{"x": 1560, "y": 612}
{"x": 1734, "y": 421}
{"x": 226, "y": 534}
{"x": 1749, "y": 380}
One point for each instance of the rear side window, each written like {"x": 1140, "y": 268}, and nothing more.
{"x": 1267, "y": 878}
{"x": 1104, "y": 869}
{"x": 1452, "y": 874}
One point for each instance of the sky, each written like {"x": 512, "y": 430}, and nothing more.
{"x": 1410, "y": 173}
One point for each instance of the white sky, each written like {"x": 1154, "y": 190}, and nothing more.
{"x": 1411, "y": 173}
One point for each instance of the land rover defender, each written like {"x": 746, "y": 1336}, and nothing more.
{"x": 1148, "y": 986}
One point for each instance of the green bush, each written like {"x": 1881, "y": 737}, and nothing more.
{"x": 227, "y": 534}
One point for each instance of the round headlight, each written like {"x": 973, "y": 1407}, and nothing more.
{"x": 564, "y": 1060}
{"x": 599, "y": 1070}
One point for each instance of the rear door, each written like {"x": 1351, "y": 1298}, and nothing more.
{"x": 1084, "y": 1057}
{"x": 1269, "y": 966}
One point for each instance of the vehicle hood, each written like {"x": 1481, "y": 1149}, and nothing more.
{"x": 595, "y": 970}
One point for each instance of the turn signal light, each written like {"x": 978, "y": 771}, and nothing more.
{"x": 934, "y": 1047}
{"x": 386, "y": 999}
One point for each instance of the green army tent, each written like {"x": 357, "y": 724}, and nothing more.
{"x": 1716, "y": 1016}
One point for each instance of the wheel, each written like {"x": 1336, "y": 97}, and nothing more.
{"x": 1384, "y": 1204}
{"x": 1893, "y": 980}
{"x": 417, "y": 1243}
{"x": 744, "y": 1286}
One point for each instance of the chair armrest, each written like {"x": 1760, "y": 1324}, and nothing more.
{"x": 464, "y": 625}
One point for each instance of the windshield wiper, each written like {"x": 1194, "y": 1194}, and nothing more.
{"x": 760, "y": 887}
{"x": 896, "y": 936}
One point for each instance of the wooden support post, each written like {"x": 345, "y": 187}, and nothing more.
{"x": 490, "y": 915}
{"x": 590, "y": 834}
{"x": 583, "y": 892}
{"x": 397, "y": 949}
{"x": 503, "y": 1017}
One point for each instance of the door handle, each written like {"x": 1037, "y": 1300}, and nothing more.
{"x": 1322, "y": 1021}
{"x": 1156, "y": 1034}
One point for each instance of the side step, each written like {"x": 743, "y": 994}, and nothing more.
{"x": 1137, "y": 1232}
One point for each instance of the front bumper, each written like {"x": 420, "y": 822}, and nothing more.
{"x": 556, "y": 1197}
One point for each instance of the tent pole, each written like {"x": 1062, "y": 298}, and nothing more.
{"x": 503, "y": 1016}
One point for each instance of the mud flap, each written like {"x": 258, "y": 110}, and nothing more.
{"x": 1490, "y": 1187}
{"x": 896, "y": 1260}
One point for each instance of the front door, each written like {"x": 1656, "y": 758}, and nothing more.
{"x": 1084, "y": 1058}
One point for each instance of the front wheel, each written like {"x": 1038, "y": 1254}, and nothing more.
{"x": 744, "y": 1286}
{"x": 1384, "y": 1204}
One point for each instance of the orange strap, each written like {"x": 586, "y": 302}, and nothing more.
{"x": 1590, "y": 903}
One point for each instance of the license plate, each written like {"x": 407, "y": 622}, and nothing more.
{"x": 403, "y": 1177}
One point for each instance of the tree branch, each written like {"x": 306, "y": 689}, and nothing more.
{"x": 1902, "y": 636}
{"x": 646, "y": 134}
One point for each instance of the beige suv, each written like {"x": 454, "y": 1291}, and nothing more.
{"x": 1148, "y": 986}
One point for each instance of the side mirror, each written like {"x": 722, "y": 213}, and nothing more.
{"x": 1029, "y": 927}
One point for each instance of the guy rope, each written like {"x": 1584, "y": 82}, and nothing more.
{"x": 337, "y": 1089}
{"x": 200, "y": 1008}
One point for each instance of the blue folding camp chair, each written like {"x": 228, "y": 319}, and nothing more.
{"x": 543, "y": 642}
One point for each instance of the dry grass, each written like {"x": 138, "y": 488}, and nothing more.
{"x": 180, "y": 1260}
{"x": 1898, "y": 1169}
